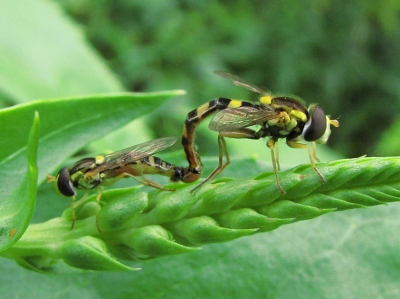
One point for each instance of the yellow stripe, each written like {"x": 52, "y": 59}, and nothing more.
{"x": 100, "y": 160}
{"x": 151, "y": 160}
{"x": 299, "y": 115}
{"x": 203, "y": 108}
{"x": 266, "y": 100}
{"x": 235, "y": 104}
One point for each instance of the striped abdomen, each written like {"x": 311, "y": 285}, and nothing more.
{"x": 147, "y": 165}
{"x": 195, "y": 117}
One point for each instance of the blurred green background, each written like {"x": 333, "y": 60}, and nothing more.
{"x": 341, "y": 54}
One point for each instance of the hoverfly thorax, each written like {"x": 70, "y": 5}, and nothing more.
{"x": 80, "y": 176}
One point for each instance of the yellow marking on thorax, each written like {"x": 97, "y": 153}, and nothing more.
{"x": 267, "y": 100}
{"x": 99, "y": 160}
{"x": 299, "y": 115}
{"x": 235, "y": 104}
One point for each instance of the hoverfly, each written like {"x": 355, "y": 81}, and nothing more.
{"x": 134, "y": 162}
{"x": 278, "y": 116}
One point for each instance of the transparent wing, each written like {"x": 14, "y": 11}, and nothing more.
{"x": 241, "y": 82}
{"x": 135, "y": 152}
{"x": 242, "y": 117}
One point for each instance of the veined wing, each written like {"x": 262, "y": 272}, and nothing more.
{"x": 242, "y": 117}
{"x": 135, "y": 153}
{"x": 242, "y": 83}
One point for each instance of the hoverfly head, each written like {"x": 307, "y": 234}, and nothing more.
{"x": 318, "y": 126}
{"x": 63, "y": 182}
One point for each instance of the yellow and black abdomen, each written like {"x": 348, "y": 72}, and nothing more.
{"x": 147, "y": 165}
{"x": 194, "y": 118}
{"x": 155, "y": 165}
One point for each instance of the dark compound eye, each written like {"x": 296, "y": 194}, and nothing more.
{"x": 64, "y": 183}
{"x": 317, "y": 124}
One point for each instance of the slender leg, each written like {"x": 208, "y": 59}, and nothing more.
{"x": 75, "y": 204}
{"x": 275, "y": 166}
{"x": 278, "y": 166}
{"x": 223, "y": 150}
{"x": 221, "y": 166}
{"x": 294, "y": 144}
{"x": 314, "y": 149}
{"x": 145, "y": 181}
{"x": 73, "y": 212}
{"x": 139, "y": 172}
{"x": 98, "y": 197}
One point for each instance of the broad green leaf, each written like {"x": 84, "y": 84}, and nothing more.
{"x": 43, "y": 55}
{"x": 17, "y": 209}
{"x": 66, "y": 126}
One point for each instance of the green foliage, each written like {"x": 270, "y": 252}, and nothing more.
{"x": 18, "y": 202}
{"x": 341, "y": 54}
{"x": 46, "y": 57}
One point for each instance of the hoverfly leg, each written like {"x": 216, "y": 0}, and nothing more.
{"x": 98, "y": 197}
{"x": 275, "y": 164}
{"x": 146, "y": 182}
{"x": 278, "y": 166}
{"x": 314, "y": 151}
{"x": 222, "y": 149}
{"x": 75, "y": 204}
{"x": 73, "y": 212}
{"x": 241, "y": 133}
{"x": 294, "y": 144}
{"x": 81, "y": 200}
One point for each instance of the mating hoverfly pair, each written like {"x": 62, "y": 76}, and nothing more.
{"x": 278, "y": 116}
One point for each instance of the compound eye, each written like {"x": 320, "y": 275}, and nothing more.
{"x": 317, "y": 124}
{"x": 64, "y": 183}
